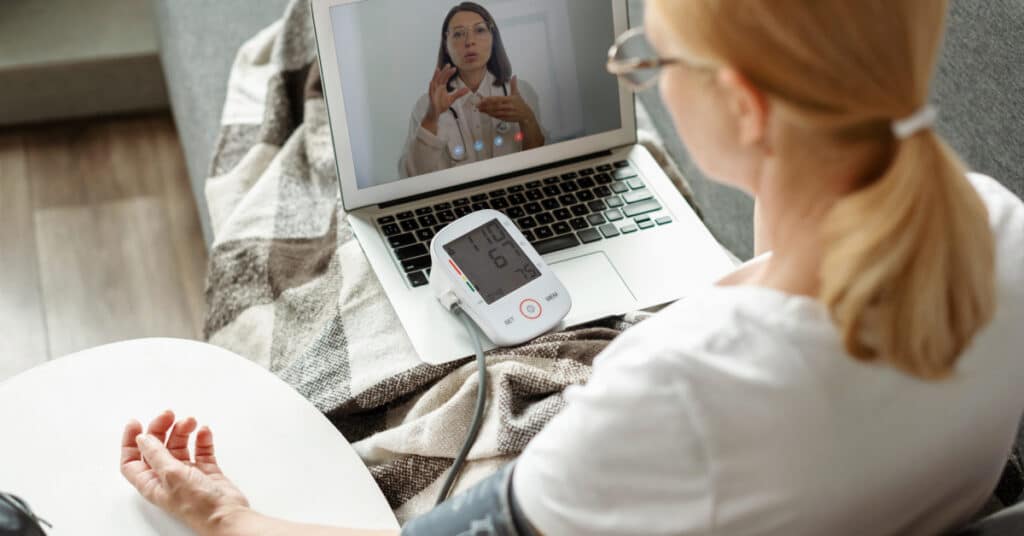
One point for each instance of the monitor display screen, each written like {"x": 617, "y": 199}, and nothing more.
{"x": 431, "y": 85}
{"x": 492, "y": 261}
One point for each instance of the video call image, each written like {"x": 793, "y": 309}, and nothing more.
{"x": 431, "y": 85}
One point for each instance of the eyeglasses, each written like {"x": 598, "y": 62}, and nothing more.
{"x": 633, "y": 59}
{"x": 459, "y": 34}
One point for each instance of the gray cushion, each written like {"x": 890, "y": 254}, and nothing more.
{"x": 198, "y": 43}
{"x": 979, "y": 88}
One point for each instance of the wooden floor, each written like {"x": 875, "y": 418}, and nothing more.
{"x": 99, "y": 238}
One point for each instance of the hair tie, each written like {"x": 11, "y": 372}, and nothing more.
{"x": 921, "y": 120}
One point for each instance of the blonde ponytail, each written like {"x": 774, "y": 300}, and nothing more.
{"x": 908, "y": 270}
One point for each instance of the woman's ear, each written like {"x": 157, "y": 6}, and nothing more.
{"x": 747, "y": 104}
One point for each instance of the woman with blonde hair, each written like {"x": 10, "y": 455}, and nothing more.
{"x": 860, "y": 376}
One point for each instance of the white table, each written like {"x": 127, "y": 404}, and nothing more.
{"x": 61, "y": 425}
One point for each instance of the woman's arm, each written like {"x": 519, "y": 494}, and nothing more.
{"x": 250, "y": 523}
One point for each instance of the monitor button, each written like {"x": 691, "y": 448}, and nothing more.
{"x": 530, "y": 309}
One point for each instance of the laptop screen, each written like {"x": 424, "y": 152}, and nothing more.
{"x": 432, "y": 85}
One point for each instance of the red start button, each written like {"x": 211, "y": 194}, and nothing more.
{"x": 530, "y": 309}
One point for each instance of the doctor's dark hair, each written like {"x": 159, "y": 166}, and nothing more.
{"x": 498, "y": 65}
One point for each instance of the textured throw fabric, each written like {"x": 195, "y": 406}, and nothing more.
{"x": 290, "y": 288}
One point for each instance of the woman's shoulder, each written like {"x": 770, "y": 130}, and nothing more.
{"x": 1006, "y": 218}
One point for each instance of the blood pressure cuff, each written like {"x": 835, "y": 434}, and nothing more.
{"x": 487, "y": 509}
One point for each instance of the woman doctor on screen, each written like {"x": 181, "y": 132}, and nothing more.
{"x": 474, "y": 109}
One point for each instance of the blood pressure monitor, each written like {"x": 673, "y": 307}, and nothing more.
{"x": 485, "y": 266}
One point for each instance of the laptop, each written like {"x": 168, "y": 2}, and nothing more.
{"x": 567, "y": 169}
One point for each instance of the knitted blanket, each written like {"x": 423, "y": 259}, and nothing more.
{"x": 290, "y": 288}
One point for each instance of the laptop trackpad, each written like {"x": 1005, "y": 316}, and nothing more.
{"x": 596, "y": 288}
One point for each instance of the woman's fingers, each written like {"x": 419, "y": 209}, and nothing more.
{"x": 177, "y": 442}
{"x": 158, "y": 426}
{"x": 206, "y": 460}
{"x": 156, "y": 455}
{"x": 515, "y": 85}
{"x": 129, "y": 448}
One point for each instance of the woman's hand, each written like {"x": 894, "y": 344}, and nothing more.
{"x": 195, "y": 491}
{"x": 440, "y": 98}
{"x": 511, "y": 108}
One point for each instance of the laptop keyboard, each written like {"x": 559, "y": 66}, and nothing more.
{"x": 555, "y": 213}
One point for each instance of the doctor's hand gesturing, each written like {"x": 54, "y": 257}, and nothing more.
{"x": 440, "y": 98}
{"x": 514, "y": 109}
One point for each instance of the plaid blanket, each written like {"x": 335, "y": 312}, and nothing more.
{"x": 290, "y": 288}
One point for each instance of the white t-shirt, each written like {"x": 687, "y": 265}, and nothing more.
{"x": 737, "y": 411}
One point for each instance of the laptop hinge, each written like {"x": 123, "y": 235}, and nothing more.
{"x": 497, "y": 178}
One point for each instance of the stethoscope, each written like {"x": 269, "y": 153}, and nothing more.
{"x": 458, "y": 153}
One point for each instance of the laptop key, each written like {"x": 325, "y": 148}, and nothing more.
{"x": 580, "y": 210}
{"x": 499, "y": 204}
{"x": 528, "y": 235}
{"x": 500, "y": 192}
{"x": 589, "y": 235}
{"x": 517, "y": 199}
{"x": 620, "y": 188}
{"x": 623, "y": 174}
{"x": 557, "y": 243}
{"x": 604, "y": 167}
{"x": 603, "y": 178}
{"x": 437, "y": 228}
{"x": 526, "y": 223}
{"x": 585, "y": 195}
{"x": 626, "y": 229}
{"x": 390, "y": 229}
{"x": 428, "y": 221}
{"x": 410, "y": 225}
{"x": 664, "y": 220}
{"x": 462, "y": 211}
{"x": 642, "y": 207}
{"x": 646, "y": 224}
{"x": 613, "y": 214}
{"x": 569, "y": 186}
{"x": 551, "y": 180}
{"x": 614, "y": 202}
{"x": 534, "y": 194}
{"x": 561, "y": 228}
{"x": 461, "y": 202}
{"x": 533, "y": 184}
{"x": 478, "y": 198}
{"x": 410, "y": 252}
{"x": 418, "y": 263}
{"x": 567, "y": 200}
{"x": 550, "y": 204}
{"x": 402, "y": 240}
{"x": 481, "y": 206}
{"x": 386, "y": 220}
{"x": 442, "y": 206}
{"x": 424, "y": 210}
{"x": 563, "y": 214}
{"x": 418, "y": 279}
{"x": 602, "y": 191}
{"x": 586, "y": 182}
{"x": 404, "y": 215}
{"x": 639, "y": 219}
{"x": 586, "y": 171}
{"x": 636, "y": 184}
{"x": 596, "y": 219}
{"x": 515, "y": 212}
{"x": 533, "y": 208}
{"x": 543, "y": 233}
{"x": 545, "y": 219}
{"x": 446, "y": 216}
{"x": 579, "y": 223}
{"x": 570, "y": 175}
{"x": 552, "y": 191}
{"x": 424, "y": 235}
{"x": 596, "y": 205}
{"x": 515, "y": 188}
{"x": 609, "y": 230}
{"x": 637, "y": 196}
{"x": 621, "y": 164}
